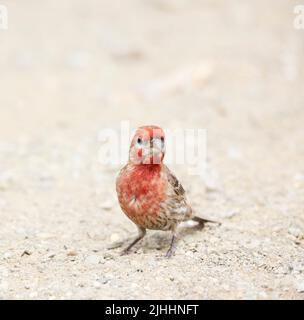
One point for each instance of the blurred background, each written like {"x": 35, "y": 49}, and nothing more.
{"x": 69, "y": 69}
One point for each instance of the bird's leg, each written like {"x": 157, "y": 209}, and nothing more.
{"x": 141, "y": 234}
{"x": 172, "y": 248}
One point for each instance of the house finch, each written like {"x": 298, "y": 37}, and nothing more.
{"x": 149, "y": 194}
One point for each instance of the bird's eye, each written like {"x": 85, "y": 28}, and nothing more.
{"x": 162, "y": 139}
{"x": 139, "y": 140}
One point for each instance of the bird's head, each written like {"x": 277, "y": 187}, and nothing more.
{"x": 147, "y": 146}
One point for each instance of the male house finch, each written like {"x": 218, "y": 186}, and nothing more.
{"x": 148, "y": 193}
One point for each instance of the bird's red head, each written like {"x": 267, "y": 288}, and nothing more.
{"x": 148, "y": 145}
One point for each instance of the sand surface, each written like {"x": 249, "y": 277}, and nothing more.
{"x": 69, "y": 69}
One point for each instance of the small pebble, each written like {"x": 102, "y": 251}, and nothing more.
{"x": 107, "y": 205}
{"x": 230, "y": 213}
{"x": 300, "y": 287}
{"x": 108, "y": 256}
{"x": 72, "y": 253}
{"x": 295, "y": 231}
{"x": 114, "y": 237}
{"x": 26, "y": 253}
{"x": 7, "y": 255}
{"x": 93, "y": 259}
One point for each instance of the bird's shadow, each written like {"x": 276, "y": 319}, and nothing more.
{"x": 159, "y": 240}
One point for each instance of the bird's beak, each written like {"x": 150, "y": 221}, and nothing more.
{"x": 155, "y": 152}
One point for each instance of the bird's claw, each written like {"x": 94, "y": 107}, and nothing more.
{"x": 125, "y": 252}
{"x": 169, "y": 254}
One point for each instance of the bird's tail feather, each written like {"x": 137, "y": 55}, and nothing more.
{"x": 202, "y": 221}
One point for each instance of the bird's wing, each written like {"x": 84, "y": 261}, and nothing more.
{"x": 176, "y": 202}
{"x": 175, "y": 184}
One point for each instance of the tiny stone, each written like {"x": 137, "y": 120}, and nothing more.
{"x": 26, "y": 253}
{"x": 7, "y": 255}
{"x": 108, "y": 256}
{"x": 114, "y": 237}
{"x": 107, "y": 205}
{"x": 72, "y": 253}
{"x": 300, "y": 287}
{"x": 230, "y": 214}
{"x": 294, "y": 231}
{"x": 93, "y": 259}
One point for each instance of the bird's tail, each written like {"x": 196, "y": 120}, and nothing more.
{"x": 202, "y": 221}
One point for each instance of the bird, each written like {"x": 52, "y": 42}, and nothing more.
{"x": 148, "y": 192}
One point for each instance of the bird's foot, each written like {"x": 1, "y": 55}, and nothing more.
{"x": 172, "y": 248}
{"x": 170, "y": 253}
{"x": 125, "y": 252}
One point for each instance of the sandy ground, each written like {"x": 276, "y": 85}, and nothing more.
{"x": 69, "y": 69}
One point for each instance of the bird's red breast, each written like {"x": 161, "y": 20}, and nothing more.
{"x": 141, "y": 190}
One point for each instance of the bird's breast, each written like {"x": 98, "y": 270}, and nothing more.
{"x": 141, "y": 190}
